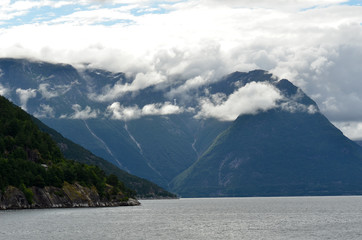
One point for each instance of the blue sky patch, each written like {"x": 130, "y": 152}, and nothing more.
{"x": 354, "y": 2}
{"x": 46, "y": 14}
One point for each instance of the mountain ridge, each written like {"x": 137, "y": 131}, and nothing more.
{"x": 300, "y": 166}
{"x": 159, "y": 131}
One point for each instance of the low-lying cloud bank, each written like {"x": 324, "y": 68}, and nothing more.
{"x": 120, "y": 112}
{"x": 250, "y": 99}
{"x": 315, "y": 44}
{"x": 83, "y": 114}
{"x": 140, "y": 82}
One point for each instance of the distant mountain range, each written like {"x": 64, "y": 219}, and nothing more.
{"x": 246, "y": 134}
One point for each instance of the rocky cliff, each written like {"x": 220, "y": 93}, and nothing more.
{"x": 69, "y": 196}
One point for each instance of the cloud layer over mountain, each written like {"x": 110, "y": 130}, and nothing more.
{"x": 315, "y": 44}
{"x": 120, "y": 112}
{"x": 250, "y": 99}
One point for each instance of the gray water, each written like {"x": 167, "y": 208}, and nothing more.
{"x": 222, "y": 218}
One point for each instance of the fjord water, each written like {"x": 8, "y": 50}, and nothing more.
{"x": 218, "y": 218}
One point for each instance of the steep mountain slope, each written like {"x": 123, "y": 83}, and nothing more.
{"x": 156, "y": 147}
{"x": 52, "y": 92}
{"x": 108, "y": 139}
{"x": 31, "y": 161}
{"x": 277, "y": 153}
{"x": 73, "y": 151}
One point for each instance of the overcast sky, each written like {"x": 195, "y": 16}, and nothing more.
{"x": 315, "y": 44}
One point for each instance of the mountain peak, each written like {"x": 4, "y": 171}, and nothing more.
{"x": 235, "y": 135}
{"x": 275, "y": 153}
{"x": 294, "y": 95}
{"x": 257, "y": 75}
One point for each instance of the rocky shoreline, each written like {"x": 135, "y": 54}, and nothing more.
{"x": 69, "y": 196}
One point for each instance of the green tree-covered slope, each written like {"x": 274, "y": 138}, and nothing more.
{"x": 30, "y": 157}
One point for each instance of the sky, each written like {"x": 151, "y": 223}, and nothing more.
{"x": 317, "y": 45}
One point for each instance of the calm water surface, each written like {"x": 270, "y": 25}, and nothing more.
{"x": 222, "y": 218}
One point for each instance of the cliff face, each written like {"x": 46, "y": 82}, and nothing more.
{"x": 69, "y": 196}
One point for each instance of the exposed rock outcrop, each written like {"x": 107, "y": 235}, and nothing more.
{"x": 69, "y": 196}
{"x": 13, "y": 198}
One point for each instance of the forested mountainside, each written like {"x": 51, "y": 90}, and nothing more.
{"x": 31, "y": 165}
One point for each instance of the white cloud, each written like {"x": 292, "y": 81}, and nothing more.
{"x": 292, "y": 104}
{"x": 141, "y": 81}
{"x": 43, "y": 89}
{"x": 50, "y": 92}
{"x": 293, "y": 107}
{"x": 161, "y": 109}
{"x": 336, "y": 88}
{"x": 131, "y": 1}
{"x": 80, "y": 113}
{"x": 45, "y": 111}
{"x": 275, "y": 4}
{"x": 352, "y": 130}
{"x": 120, "y": 112}
{"x": 12, "y": 9}
{"x": 250, "y": 99}
{"x": 190, "y": 84}
{"x": 24, "y": 95}
{"x": 3, "y": 90}
{"x": 96, "y": 16}
{"x": 315, "y": 44}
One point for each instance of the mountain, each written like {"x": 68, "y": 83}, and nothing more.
{"x": 73, "y": 151}
{"x": 244, "y": 134}
{"x": 156, "y": 147}
{"x": 34, "y": 174}
{"x": 277, "y": 153}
